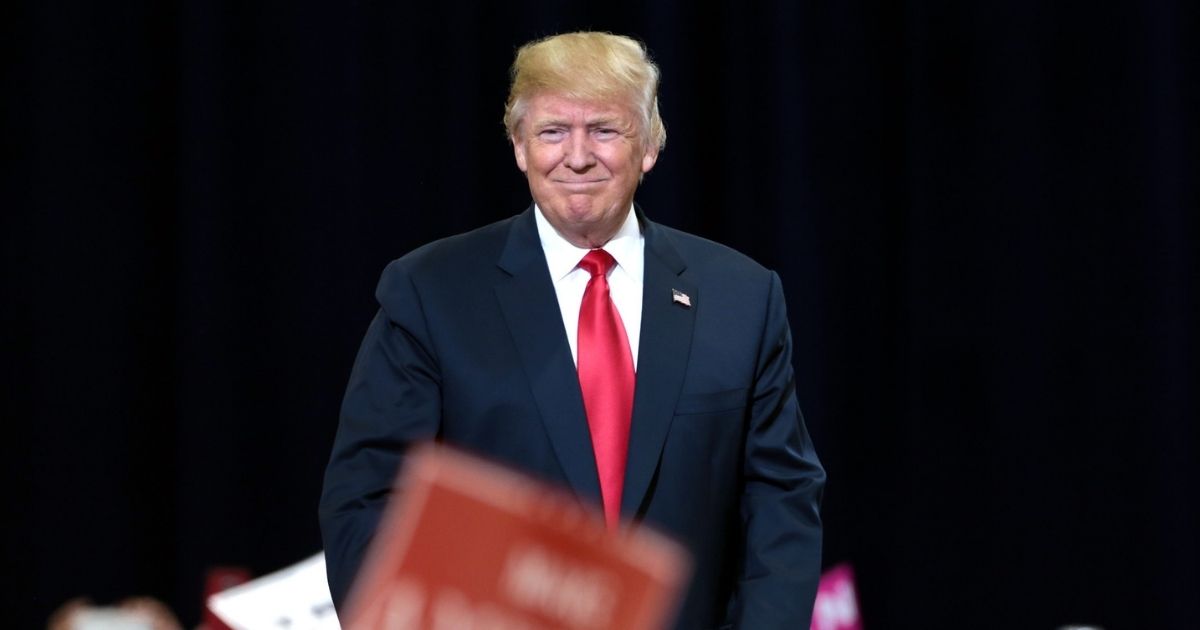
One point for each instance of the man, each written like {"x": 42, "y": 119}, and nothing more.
{"x": 647, "y": 370}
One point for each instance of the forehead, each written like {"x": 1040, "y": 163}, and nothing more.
{"x": 558, "y": 108}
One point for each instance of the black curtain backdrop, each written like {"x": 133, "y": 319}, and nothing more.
{"x": 984, "y": 215}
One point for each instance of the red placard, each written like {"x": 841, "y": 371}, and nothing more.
{"x": 470, "y": 545}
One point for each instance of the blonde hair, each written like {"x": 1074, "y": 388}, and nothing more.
{"x": 588, "y": 66}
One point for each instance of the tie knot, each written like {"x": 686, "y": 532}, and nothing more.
{"x": 597, "y": 262}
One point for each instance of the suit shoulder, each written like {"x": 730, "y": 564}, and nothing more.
{"x": 458, "y": 254}
{"x": 702, "y": 254}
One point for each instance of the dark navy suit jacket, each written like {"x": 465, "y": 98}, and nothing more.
{"x": 468, "y": 347}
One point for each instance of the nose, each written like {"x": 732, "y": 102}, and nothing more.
{"x": 579, "y": 155}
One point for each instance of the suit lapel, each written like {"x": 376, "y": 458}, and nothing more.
{"x": 531, "y": 311}
{"x": 666, "y": 342}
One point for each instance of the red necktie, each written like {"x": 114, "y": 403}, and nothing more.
{"x": 606, "y": 378}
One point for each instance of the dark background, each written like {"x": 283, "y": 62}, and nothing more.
{"x": 984, "y": 215}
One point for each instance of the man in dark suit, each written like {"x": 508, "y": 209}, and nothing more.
{"x": 646, "y": 370}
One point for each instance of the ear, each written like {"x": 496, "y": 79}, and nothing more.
{"x": 649, "y": 158}
{"x": 519, "y": 153}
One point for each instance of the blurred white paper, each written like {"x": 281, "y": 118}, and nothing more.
{"x": 296, "y": 598}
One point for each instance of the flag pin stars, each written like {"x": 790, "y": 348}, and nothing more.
{"x": 679, "y": 297}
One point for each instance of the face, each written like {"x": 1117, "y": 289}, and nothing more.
{"x": 583, "y": 161}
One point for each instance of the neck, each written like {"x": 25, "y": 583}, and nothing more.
{"x": 590, "y": 240}
{"x": 589, "y": 235}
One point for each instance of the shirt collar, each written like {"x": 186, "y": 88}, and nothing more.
{"x": 562, "y": 257}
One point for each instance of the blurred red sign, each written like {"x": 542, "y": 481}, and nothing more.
{"x": 470, "y": 545}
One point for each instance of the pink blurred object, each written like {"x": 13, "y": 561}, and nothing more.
{"x": 836, "y": 607}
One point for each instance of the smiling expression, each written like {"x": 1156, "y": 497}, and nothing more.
{"x": 583, "y": 161}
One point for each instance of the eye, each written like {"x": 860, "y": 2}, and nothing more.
{"x": 606, "y": 133}
{"x": 551, "y": 134}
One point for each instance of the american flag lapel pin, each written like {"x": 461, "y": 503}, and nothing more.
{"x": 679, "y": 297}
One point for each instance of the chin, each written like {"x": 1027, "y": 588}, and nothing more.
{"x": 582, "y": 210}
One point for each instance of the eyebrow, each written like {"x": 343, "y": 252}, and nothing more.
{"x": 604, "y": 122}
{"x": 550, "y": 122}
{"x": 611, "y": 121}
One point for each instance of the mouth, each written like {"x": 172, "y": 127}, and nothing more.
{"x": 580, "y": 181}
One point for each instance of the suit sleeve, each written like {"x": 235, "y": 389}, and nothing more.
{"x": 783, "y": 483}
{"x": 393, "y": 400}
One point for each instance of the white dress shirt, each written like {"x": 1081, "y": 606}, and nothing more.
{"x": 624, "y": 279}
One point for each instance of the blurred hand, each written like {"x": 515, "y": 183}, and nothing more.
{"x": 143, "y": 611}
